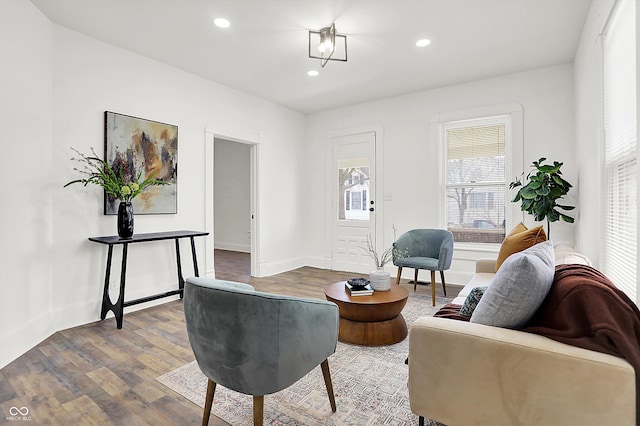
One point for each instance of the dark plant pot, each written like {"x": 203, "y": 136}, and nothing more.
{"x": 125, "y": 219}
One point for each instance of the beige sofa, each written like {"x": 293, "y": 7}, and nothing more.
{"x": 463, "y": 373}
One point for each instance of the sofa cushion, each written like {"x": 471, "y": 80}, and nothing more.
{"x": 472, "y": 300}
{"x": 518, "y": 288}
{"x": 479, "y": 279}
{"x": 520, "y": 238}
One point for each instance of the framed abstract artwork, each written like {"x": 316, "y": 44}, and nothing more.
{"x": 146, "y": 148}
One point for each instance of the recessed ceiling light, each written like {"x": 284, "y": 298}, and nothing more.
{"x": 221, "y": 23}
{"x": 423, "y": 42}
{"x": 312, "y": 73}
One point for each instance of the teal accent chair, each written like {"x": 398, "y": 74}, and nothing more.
{"x": 428, "y": 249}
{"x": 257, "y": 343}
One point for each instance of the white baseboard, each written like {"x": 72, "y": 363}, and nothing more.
{"x": 88, "y": 312}
{"x": 318, "y": 262}
{"x": 272, "y": 268}
{"x": 28, "y": 335}
{"x": 20, "y": 340}
{"x": 244, "y": 248}
{"x": 457, "y": 277}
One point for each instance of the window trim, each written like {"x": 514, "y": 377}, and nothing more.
{"x": 514, "y": 160}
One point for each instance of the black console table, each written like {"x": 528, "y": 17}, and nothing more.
{"x": 118, "y": 307}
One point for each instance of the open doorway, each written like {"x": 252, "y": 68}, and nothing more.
{"x": 232, "y": 208}
{"x": 243, "y": 139}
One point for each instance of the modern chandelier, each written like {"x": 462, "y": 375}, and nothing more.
{"x": 327, "y": 46}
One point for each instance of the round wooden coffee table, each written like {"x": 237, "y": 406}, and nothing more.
{"x": 370, "y": 320}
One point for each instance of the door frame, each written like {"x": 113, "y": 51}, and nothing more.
{"x": 379, "y": 186}
{"x": 253, "y": 140}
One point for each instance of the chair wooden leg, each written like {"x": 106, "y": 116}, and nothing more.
{"x": 258, "y": 410}
{"x": 327, "y": 382}
{"x": 433, "y": 288}
{"x": 444, "y": 287}
{"x": 399, "y": 273}
{"x": 211, "y": 389}
{"x": 415, "y": 279}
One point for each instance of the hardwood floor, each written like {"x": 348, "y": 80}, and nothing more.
{"x": 232, "y": 265}
{"x": 96, "y": 374}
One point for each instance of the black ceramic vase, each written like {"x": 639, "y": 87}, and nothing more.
{"x": 125, "y": 219}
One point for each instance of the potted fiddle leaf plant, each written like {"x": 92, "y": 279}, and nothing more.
{"x": 544, "y": 186}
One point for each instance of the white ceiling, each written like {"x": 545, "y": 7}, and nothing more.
{"x": 265, "y": 52}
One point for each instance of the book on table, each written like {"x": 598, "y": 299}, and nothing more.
{"x": 359, "y": 291}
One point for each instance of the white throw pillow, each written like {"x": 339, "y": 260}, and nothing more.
{"x": 518, "y": 288}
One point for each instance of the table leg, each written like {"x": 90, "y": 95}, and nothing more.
{"x": 118, "y": 308}
{"x": 180, "y": 277}
{"x": 106, "y": 300}
{"x": 195, "y": 258}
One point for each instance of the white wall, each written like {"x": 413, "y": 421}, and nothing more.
{"x": 56, "y": 84}
{"x": 411, "y": 156}
{"x": 25, "y": 175}
{"x": 232, "y": 196}
{"x": 589, "y": 130}
{"x": 90, "y": 77}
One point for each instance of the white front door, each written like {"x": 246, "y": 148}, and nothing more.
{"x": 354, "y": 204}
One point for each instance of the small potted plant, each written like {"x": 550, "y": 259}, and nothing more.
{"x": 380, "y": 279}
{"x": 544, "y": 187}
{"x": 116, "y": 182}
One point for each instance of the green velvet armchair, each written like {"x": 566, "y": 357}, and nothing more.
{"x": 428, "y": 249}
{"x": 257, "y": 343}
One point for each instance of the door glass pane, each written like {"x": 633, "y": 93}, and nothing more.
{"x": 353, "y": 189}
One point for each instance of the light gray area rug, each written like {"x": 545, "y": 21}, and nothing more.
{"x": 370, "y": 385}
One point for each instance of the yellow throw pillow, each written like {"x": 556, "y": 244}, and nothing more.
{"x": 518, "y": 229}
{"x": 520, "y": 238}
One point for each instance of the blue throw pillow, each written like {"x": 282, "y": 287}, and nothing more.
{"x": 518, "y": 288}
{"x": 472, "y": 300}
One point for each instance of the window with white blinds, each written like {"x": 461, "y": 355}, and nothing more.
{"x": 475, "y": 178}
{"x": 620, "y": 124}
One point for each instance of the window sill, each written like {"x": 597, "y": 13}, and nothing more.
{"x": 477, "y": 247}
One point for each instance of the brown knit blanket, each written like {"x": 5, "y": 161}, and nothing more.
{"x": 451, "y": 311}
{"x": 585, "y": 309}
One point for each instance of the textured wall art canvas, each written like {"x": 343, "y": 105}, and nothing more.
{"x": 139, "y": 145}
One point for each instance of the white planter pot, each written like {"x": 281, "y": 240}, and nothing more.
{"x": 380, "y": 280}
